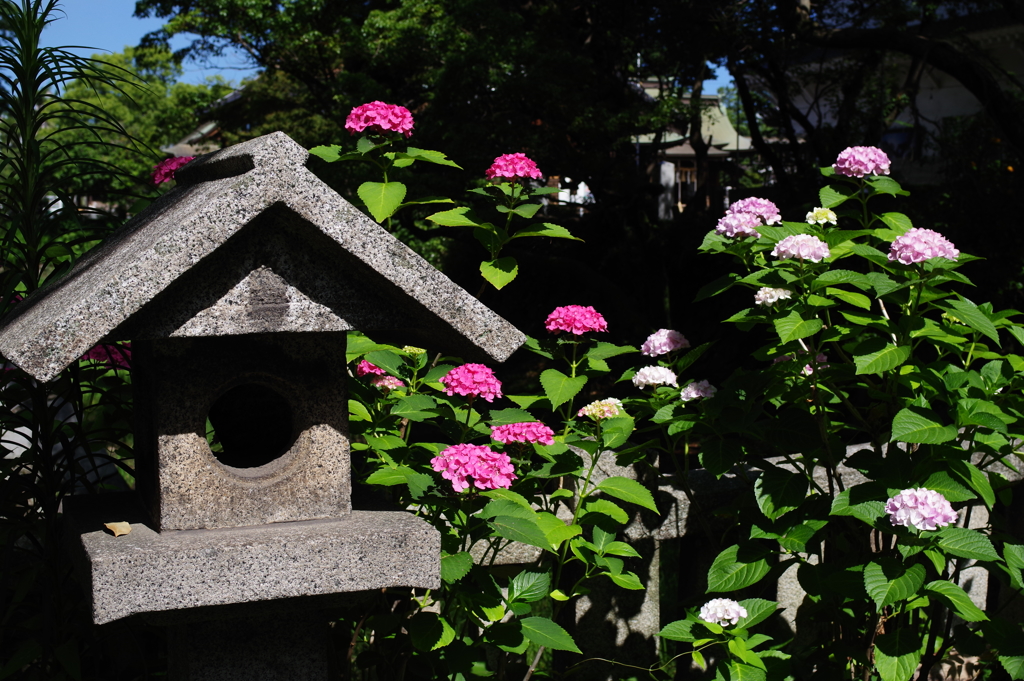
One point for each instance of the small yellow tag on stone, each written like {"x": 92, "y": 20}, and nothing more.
{"x": 118, "y": 528}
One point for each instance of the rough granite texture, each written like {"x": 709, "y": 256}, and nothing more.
{"x": 250, "y": 241}
{"x": 145, "y": 571}
{"x": 186, "y": 486}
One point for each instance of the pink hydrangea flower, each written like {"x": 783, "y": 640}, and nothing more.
{"x": 655, "y": 376}
{"x": 471, "y": 380}
{"x": 663, "y": 341}
{"x": 488, "y": 468}
{"x": 722, "y": 611}
{"x": 602, "y": 409}
{"x": 861, "y": 161}
{"x": 380, "y": 118}
{"x": 576, "y": 319}
{"x": 819, "y": 363}
{"x": 113, "y": 355}
{"x": 919, "y": 244}
{"x": 364, "y": 368}
{"x": 387, "y": 383}
{"x": 769, "y": 296}
{"x": 739, "y": 225}
{"x": 165, "y": 169}
{"x": 697, "y": 389}
{"x": 511, "y": 166}
{"x": 523, "y": 432}
{"x": 922, "y": 508}
{"x": 761, "y": 208}
{"x": 801, "y": 247}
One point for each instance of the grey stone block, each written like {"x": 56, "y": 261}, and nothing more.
{"x": 148, "y": 572}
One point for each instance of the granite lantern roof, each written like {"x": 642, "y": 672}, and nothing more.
{"x": 250, "y": 242}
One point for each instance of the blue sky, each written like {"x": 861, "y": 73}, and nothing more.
{"x": 108, "y": 25}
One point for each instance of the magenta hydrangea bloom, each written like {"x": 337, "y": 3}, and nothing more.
{"x": 488, "y": 468}
{"x": 534, "y": 431}
{"x": 663, "y": 341}
{"x": 722, "y": 611}
{"x": 364, "y": 368}
{"x": 576, "y": 319}
{"x": 113, "y": 355}
{"x": 739, "y": 225}
{"x": 861, "y": 161}
{"x": 165, "y": 169}
{"x": 387, "y": 383}
{"x": 511, "y": 166}
{"x": 472, "y": 380}
{"x": 922, "y": 508}
{"x": 801, "y": 247}
{"x": 380, "y": 118}
{"x": 697, "y": 389}
{"x": 920, "y": 244}
{"x": 761, "y": 208}
{"x": 655, "y": 376}
{"x": 602, "y": 409}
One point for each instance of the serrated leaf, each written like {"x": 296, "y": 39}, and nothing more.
{"x": 382, "y": 199}
{"x": 608, "y": 508}
{"x": 957, "y": 600}
{"x": 508, "y": 636}
{"x": 919, "y": 425}
{"x": 523, "y": 530}
{"x": 729, "y": 572}
{"x": 559, "y": 388}
{"x": 415, "y": 408}
{"x": 627, "y": 580}
{"x": 456, "y": 217}
{"x": 975, "y": 479}
{"x": 628, "y": 490}
{"x": 455, "y": 566}
{"x": 969, "y": 313}
{"x": 556, "y": 530}
{"x": 860, "y": 502}
{"x": 897, "y": 654}
{"x": 678, "y": 631}
{"x": 886, "y": 185}
{"x": 544, "y": 632}
{"x": 829, "y": 197}
{"x": 942, "y": 482}
{"x": 529, "y": 586}
{"x": 430, "y": 156}
{"x": 966, "y": 543}
{"x": 897, "y": 222}
{"x": 887, "y": 581}
{"x": 504, "y": 417}
{"x": 886, "y": 359}
{"x": 429, "y": 631}
{"x": 856, "y": 299}
{"x": 620, "y": 548}
{"x": 758, "y": 610}
{"x": 834, "y": 277}
{"x": 328, "y": 153}
{"x": 717, "y": 286}
{"x": 546, "y": 229}
{"x": 739, "y": 671}
{"x": 388, "y": 361}
{"x": 499, "y": 273}
{"x": 779, "y": 491}
{"x": 793, "y": 327}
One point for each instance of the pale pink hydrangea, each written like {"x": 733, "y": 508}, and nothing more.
{"x": 387, "y": 383}
{"x": 722, "y": 611}
{"x": 922, "y": 508}
{"x": 801, "y": 247}
{"x": 488, "y": 468}
{"x": 663, "y": 341}
{"x": 739, "y": 225}
{"x": 697, "y": 389}
{"x": 821, "y": 216}
{"x": 576, "y": 319}
{"x": 512, "y": 166}
{"x": 861, "y": 161}
{"x": 761, "y": 208}
{"x": 471, "y": 380}
{"x": 380, "y": 118}
{"x": 602, "y": 409}
{"x": 920, "y": 244}
{"x": 364, "y": 368}
{"x": 523, "y": 432}
{"x": 655, "y": 376}
{"x": 164, "y": 170}
{"x": 769, "y": 296}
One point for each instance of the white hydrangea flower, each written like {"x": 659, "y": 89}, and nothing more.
{"x": 821, "y": 216}
{"x": 655, "y": 376}
{"x": 769, "y": 296}
{"x": 722, "y": 611}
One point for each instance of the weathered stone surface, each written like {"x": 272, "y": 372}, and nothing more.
{"x": 296, "y": 257}
{"x": 145, "y": 571}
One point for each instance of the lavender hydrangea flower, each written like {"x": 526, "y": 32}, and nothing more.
{"x": 922, "y": 508}
{"x": 769, "y": 296}
{"x": 663, "y": 341}
{"x": 920, "y": 244}
{"x": 697, "y": 389}
{"x": 861, "y": 161}
{"x": 801, "y": 247}
{"x": 655, "y": 376}
{"x": 722, "y": 611}
{"x": 762, "y": 208}
{"x": 739, "y": 225}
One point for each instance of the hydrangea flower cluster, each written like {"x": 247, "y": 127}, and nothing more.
{"x": 576, "y": 319}
{"x": 165, "y": 169}
{"x": 602, "y": 409}
{"x": 920, "y": 244}
{"x": 380, "y": 118}
{"x": 663, "y": 341}
{"x": 821, "y": 216}
{"x": 113, "y": 355}
{"x": 922, "y": 508}
{"x": 488, "y": 468}
{"x": 769, "y": 296}
{"x": 655, "y": 376}
{"x": 739, "y": 225}
{"x": 801, "y": 247}
{"x": 364, "y": 368}
{"x": 472, "y": 380}
{"x": 387, "y": 383}
{"x": 697, "y": 389}
{"x": 861, "y": 161}
{"x": 761, "y": 208}
{"x": 534, "y": 431}
{"x": 722, "y": 611}
{"x": 511, "y": 166}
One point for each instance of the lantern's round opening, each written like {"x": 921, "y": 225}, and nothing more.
{"x": 249, "y": 426}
